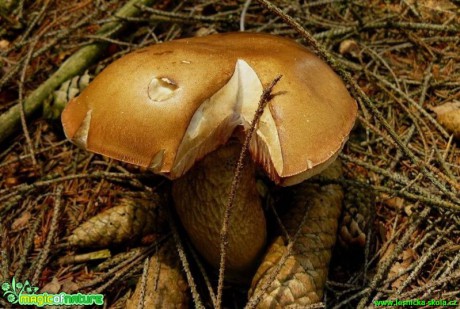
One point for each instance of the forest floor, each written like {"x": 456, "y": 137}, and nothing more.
{"x": 402, "y": 61}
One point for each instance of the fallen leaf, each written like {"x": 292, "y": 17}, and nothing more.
{"x": 349, "y": 47}
{"x": 407, "y": 257}
{"x": 438, "y": 11}
{"x": 21, "y": 221}
{"x": 4, "y": 44}
{"x": 392, "y": 202}
{"x": 52, "y": 287}
{"x": 448, "y": 115}
{"x": 69, "y": 285}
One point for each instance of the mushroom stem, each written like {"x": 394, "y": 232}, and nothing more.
{"x": 200, "y": 198}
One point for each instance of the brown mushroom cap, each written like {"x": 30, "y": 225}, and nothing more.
{"x": 168, "y": 105}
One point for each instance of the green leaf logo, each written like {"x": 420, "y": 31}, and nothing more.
{"x": 12, "y": 291}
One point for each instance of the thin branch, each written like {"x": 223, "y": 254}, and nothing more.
{"x": 243, "y": 14}
{"x": 183, "y": 258}
{"x": 44, "y": 253}
{"x": 21, "y": 102}
{"x": 264, "y": 99}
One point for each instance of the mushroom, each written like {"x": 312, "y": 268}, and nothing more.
{"x": 179, "y": 109}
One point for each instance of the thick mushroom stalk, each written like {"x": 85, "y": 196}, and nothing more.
{"x": 200, "y": 198}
